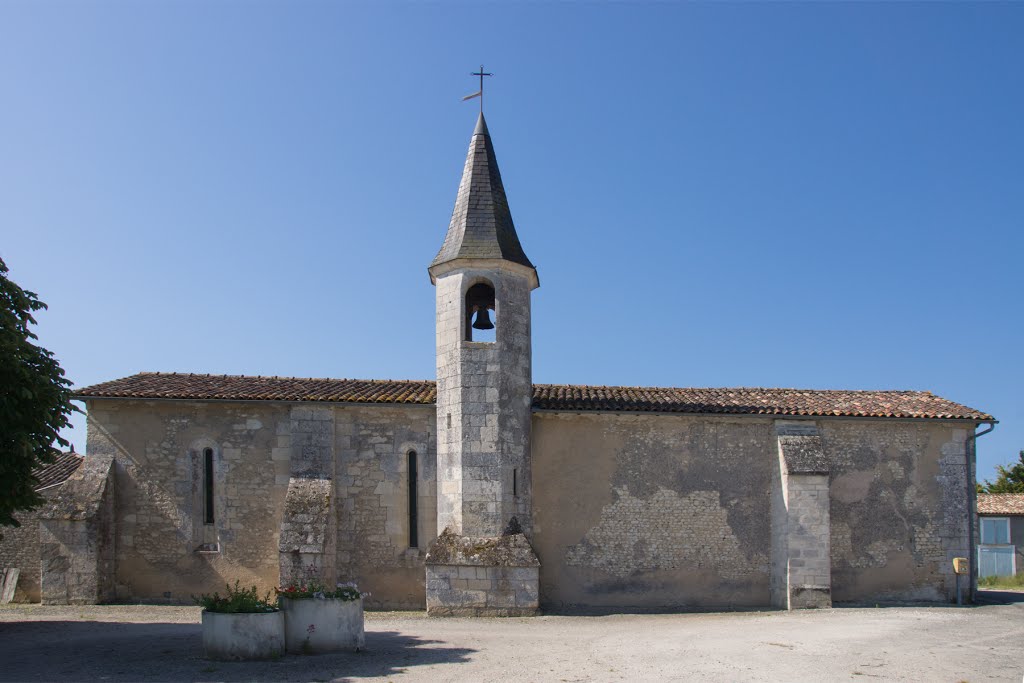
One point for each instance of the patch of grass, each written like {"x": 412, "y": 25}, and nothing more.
{"x": 1015, "y": 582}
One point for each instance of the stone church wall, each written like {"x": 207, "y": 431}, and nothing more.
{"x": 898, "y": 508}
{"x": 652, "y": 511}
{"x": 159, "y": 522}
{"x": 373, "y": 446}
{"x": 673, "y": 512}
{"x": 164, "y": 550}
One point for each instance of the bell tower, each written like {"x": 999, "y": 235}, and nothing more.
{"x": 482, "y": 562}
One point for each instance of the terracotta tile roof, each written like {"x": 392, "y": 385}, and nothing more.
{"x": 57, "y": 472}
{"x": 1001, "y": 503}
{"x": 262, "y": 388}
{"x": 753, "y": 401}
{"x": 795, "y": 402}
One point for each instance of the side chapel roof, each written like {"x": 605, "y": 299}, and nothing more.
{"x": 570, "y": 398}
{"x": 481, "y": 225}
{"x": 58, "y": 471}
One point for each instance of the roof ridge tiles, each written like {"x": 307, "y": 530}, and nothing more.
{"x": 691, "y": 400}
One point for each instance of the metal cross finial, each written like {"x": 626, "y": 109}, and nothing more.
{"x": 479, "y": 93}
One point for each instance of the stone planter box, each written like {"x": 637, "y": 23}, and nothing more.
{"x": 313, "y": 626}
{"x": 243, "y": 636}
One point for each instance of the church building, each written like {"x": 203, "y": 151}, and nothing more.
{"x": 482, "y": 493}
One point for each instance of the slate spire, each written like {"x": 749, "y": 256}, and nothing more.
{"x": 481, "y": 225}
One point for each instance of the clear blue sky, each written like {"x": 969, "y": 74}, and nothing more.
{"x": 798, "y": 195}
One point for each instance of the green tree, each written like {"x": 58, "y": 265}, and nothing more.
{"x": 1010, "y": 479}
{"x": 35, "y": 401}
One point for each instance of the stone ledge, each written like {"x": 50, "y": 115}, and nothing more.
{"x": 513, "y": 550}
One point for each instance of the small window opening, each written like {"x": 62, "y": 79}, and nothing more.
{"x": 208, "y": 485}
{"x": 479, "y": 311}
{"x": 515, "y": 481}
{"x": 413, "y": 507}
{"x": 449, "y": 420}
{"x": 995, "y": 530}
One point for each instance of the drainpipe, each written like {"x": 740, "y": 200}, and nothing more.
{"x": 972, "y": 502}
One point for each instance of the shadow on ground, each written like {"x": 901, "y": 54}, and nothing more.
{"x": 66, "y": 650}
{"x": 998, "y": 597}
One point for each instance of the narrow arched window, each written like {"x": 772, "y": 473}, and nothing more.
{"x": 413, "y": 500}
{"x": 480, "y": 308}
{"x": 208, "y": 485}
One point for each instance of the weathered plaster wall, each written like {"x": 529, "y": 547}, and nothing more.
{"x": 372, "y": 444}
{"x": 898, "y": 508}
{"x": 656, "y": 512}
{"x": 157, "y": 446}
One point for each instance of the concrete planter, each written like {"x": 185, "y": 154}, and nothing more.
{"x": 243, "y": 636}
{"x": 313, "y": 626}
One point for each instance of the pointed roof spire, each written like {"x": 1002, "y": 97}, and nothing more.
{"x": 481, "y": 225}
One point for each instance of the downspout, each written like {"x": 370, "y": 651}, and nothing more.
{"x": 972, "y": 503}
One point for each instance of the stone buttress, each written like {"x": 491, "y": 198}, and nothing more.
{"x": 308, "y": 542}
{"x": 801, "y": 547}
{"x": 482, "y": 562}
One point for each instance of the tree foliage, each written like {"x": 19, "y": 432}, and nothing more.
{"x": 1010, "y": 479}
{"x": 35, "y": 401}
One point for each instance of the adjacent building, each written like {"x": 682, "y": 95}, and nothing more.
{"x": 1001, "y": 526}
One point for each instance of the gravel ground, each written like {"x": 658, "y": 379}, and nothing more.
{"x": 149, "y": 643}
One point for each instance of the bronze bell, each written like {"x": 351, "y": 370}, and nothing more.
{"x": 482, "y": 320}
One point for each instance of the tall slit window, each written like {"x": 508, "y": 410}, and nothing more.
{"x": 208, "y": 485}
{"x": 413, "y": 507}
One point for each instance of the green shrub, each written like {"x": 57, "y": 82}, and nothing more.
{"x": 1016, "y": 581}
{"x": 238, "y": 600}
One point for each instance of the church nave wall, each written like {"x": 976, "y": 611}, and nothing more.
{"x": 663, "y": 511}
{"x": 373, "y": 447}
{"x": 165, "y": 549}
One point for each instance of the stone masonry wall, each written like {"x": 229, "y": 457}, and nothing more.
{"x": 76, "y": 538}
{"x": 483, "y": 408}
{"x": 809, "y": 583}
{"x": 465, "y": 591}
{"x": 801, "y": 543}
{"x": 309, "y": 528}
{"x": 372, "y": 445}
{"x": 20, "y": 548}
{"x": 899, "y": 510}
{"x": 157, "y": 447}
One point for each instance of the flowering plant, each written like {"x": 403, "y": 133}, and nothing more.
{"x": 312, "y": 586}
{"x": 238, "y": 600}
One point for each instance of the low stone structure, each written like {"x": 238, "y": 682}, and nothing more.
{"x": 482, "y": 577}
{"x": 19, "y": 546}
